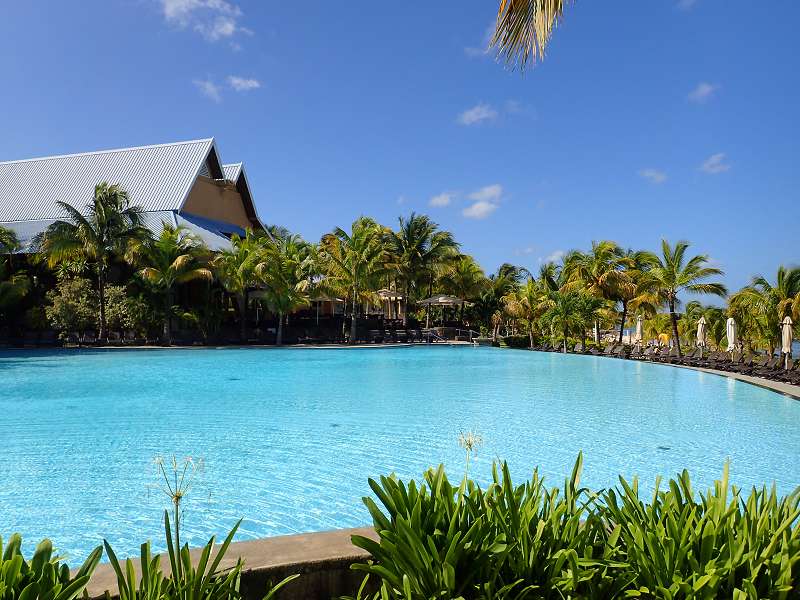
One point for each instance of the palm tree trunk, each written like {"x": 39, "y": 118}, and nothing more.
{"x": 242, "y": 300}
{"x": 597, "y": 332}
{"x": 565, "y": 341}
{"x": 405, "y": 306}
{"x": 674, "y": 318}
{"x": 530, "y": 335}
{"x": 354, "y": 320}
{"x": 101, "y": 289}
{"x": 167, "y": 310}
{"x": 624, "y": 316}
{"x": 279, "y": 335}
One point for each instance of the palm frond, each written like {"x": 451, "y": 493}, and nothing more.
{"x": 523, "y": 30}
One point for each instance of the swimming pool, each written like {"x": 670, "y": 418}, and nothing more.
{"x": 289, "y": 436}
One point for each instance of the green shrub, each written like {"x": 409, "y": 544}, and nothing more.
{"x": 441, "y": 541}
{"x": 517, "y": 341}
{"x": 712, "y": 545}
{"x": 44, "y": 577}
{"x": 74, "y": 305}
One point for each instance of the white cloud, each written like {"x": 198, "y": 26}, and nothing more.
{"x": 553, "y": 257}
{"x": 481, "y": 50}
{"x": 703, "y": 92}
{"x": 243, "y": 84}
{"x": 654, "y": 175}
{"x": 489, "y": 193}
{"x": 477, "y": 114}
{"x": 479, "y": 210}
{"x": 486, "y": 201}
{"x": 443, "y": 199}
{"x": 715, "y": 164}
{"x": 686, "y": 4}
{"x": 213, "y": 19}
{"x": 401, "y": 200}
{"x": 209, "y": 89}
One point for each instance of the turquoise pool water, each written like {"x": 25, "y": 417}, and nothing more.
{"x": 289, "y": 436}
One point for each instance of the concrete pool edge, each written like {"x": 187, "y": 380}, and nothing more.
{"x": 322, "y": 559}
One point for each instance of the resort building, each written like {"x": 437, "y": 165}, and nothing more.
{"x": 180, "y": 184}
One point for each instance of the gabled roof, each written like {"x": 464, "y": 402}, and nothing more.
{"x": 236, "y": 175}
{"x": 156, "y": 178}
{"x": 232, "y": 171}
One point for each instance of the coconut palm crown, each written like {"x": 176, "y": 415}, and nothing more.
{"x": 673, "y": 273}
{"x": 107, "y": 227}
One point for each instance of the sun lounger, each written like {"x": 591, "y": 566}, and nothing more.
{"x": 770, "y": 369}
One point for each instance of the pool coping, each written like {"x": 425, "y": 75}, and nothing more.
{"x": 318, "y": 556}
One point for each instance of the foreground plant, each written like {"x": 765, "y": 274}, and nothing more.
{"x": 527, "y": 541}
{"x": 43, "y": 577}
{"x": 186, "y": 580}
{"x": 441, "y": 541}
{"x": 712, "y": 545}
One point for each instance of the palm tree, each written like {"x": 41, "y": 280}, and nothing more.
{"x": 599, "y": 273}
{"x": 657, "y": 325}
{"x": 590, "y": 309}
{"x": 464, "y": 279}
{"x": 489, "y": 304}
{"x": 175, "y": 257}
{"x": 768, "y": 304}
{"x": 564, "y": 314}
{"x": 235, "y": 268}
{"x": 9, "y": 242}
{"x": 106, "y": 229}
{"x": 527, "y": 303}
{"x": 635, "y": 290}
{"x": 524, "y": 28}
{"x": 13, "y": 286}
{"x": 673, "y": 274}
{"x": 354, "y": 263}
{"x": 419, "y": 249}
{"x": 282, "y": 273}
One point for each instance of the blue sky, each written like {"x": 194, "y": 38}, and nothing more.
{"x": 664, "y": 118}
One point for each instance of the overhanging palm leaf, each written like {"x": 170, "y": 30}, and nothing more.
{"x": 524, "y": 28}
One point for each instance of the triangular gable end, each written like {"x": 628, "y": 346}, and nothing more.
{"x": 243, "y": 187}
{"x": 214, "y": 195}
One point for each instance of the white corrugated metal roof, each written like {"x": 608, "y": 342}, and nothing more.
{"x": 232, "y": 171}
{"x": 213, "y": 233}
{"x": 157, "y": 178}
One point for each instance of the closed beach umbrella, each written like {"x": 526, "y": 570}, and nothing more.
{"x": 786, "y": 336}
{"x": 701, "y": 332}
{"x": 637, "y": 336}
{"x": 730, "y": 332}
